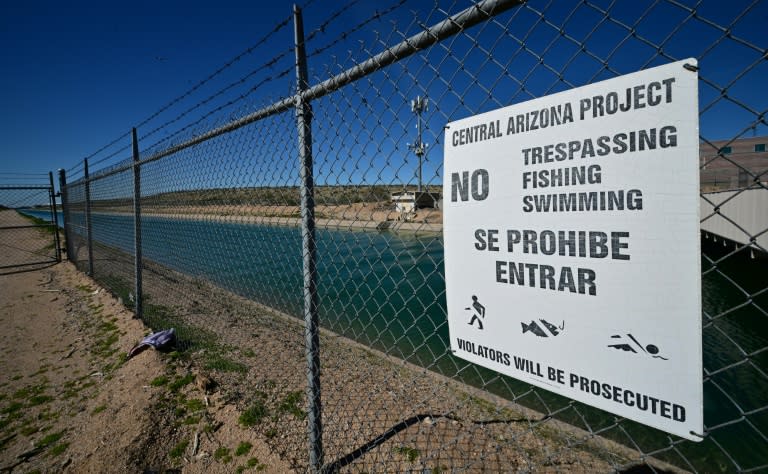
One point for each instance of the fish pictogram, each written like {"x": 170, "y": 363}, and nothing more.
{"x": 534, "y": 327}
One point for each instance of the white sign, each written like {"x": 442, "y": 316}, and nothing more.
{"x": 572, "y": 259}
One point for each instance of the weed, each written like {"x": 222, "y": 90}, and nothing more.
{"x": 191, "y": 420}
{"x": 43, "y": 369}
{"x": 29, "y": 391}
{"x": 162, "y": 317}
{"x": 29, "y": 430}
{"x": 59, "y": 448}
{"x": 12, "y": 408}
{"x": 47, "y": 416}
{"x": 248, "y": 353}
{"x": 243, "y": 448}
{"x": 410, "y": 453}
{"x": 106, "y": 326}
{"x": 104, "y": 346}
{"x": 159, "y": 381}
{"x": 176, "y": 355}
{"x": 254, "y": 414}
{"x": 98, "y": 409}
{"x": 271, "y": 433}
{"x": 291, "y": 405}
{"x": 39, "y": 400}
{"x": 107, "y": 369}
{"x": 219, "y": 362}
{"x": 181, "y": 382}
{"x": 67, "y": 394}
{"x": 50, "y": 439}
{"x": 121, "y": 289}
{"x": 195, "y": 405}
{"x": 179, "y": 449}
{"x": 4, "y": 442}
{"x": 72, "y": 392}
{"x": 222, "y": 454}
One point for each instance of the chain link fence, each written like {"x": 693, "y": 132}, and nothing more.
{"x": 267, "y": 195}
{"x": 27, "y": 201}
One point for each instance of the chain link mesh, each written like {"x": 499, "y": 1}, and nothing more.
{"x": 25, "y": 202}
{"x": 222, "y": 244}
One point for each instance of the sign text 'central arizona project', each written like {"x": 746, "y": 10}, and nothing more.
{"x": 572, "y": 251}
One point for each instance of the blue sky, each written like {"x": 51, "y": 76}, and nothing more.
{"x": 80, "y": 74}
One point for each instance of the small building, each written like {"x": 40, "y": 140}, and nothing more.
{"x": 733, "y": 164}
{"x": 409, "y": 201}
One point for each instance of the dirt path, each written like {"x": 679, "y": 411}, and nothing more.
{"x": 70, "y": 402}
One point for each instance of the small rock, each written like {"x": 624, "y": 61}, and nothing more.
{"x": 204, "y": 382}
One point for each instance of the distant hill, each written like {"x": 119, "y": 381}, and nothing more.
{"x": 278, "y": 195}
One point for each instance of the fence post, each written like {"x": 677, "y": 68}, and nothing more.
{"x": 55, "y": 219}
{"x": 88, "y": 224}
{"x": 309, "y": 249}
{"x": 65, "y": 210}
{"x": 137, "y": 223}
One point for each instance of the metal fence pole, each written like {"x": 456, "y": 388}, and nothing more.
{"x": 88, "y": 226}
{"x": 64, "y": 210}
{"x": 311, "y": 319}
{"x": 137, "y": 223}
{"x": 55, "y": 219}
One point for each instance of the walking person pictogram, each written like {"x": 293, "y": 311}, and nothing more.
{"x": 479, "y": 312}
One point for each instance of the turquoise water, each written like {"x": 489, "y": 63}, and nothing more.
{"x": 384, "y": 290}
{"x": 387, "y": 291}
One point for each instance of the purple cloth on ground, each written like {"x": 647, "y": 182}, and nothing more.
{"x": 157, "y": 340}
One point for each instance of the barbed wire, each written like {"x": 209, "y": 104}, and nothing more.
{"x": 105, "y": 147}
{"x": 344, "y": 36}
{"x": 278, "y": 26}
{"x": 76, "y": 167}
{"x": 329, "y": 20}
{"x": 267, "y": 65}
{"x": 111, "y": 155}
{"x": 204, "y": 117}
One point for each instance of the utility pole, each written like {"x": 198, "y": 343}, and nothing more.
{"x": 419, "y": 105}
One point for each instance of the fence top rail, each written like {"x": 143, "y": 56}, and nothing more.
{"x": 467, "y": 18}
{"x": 17, "y": 188}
